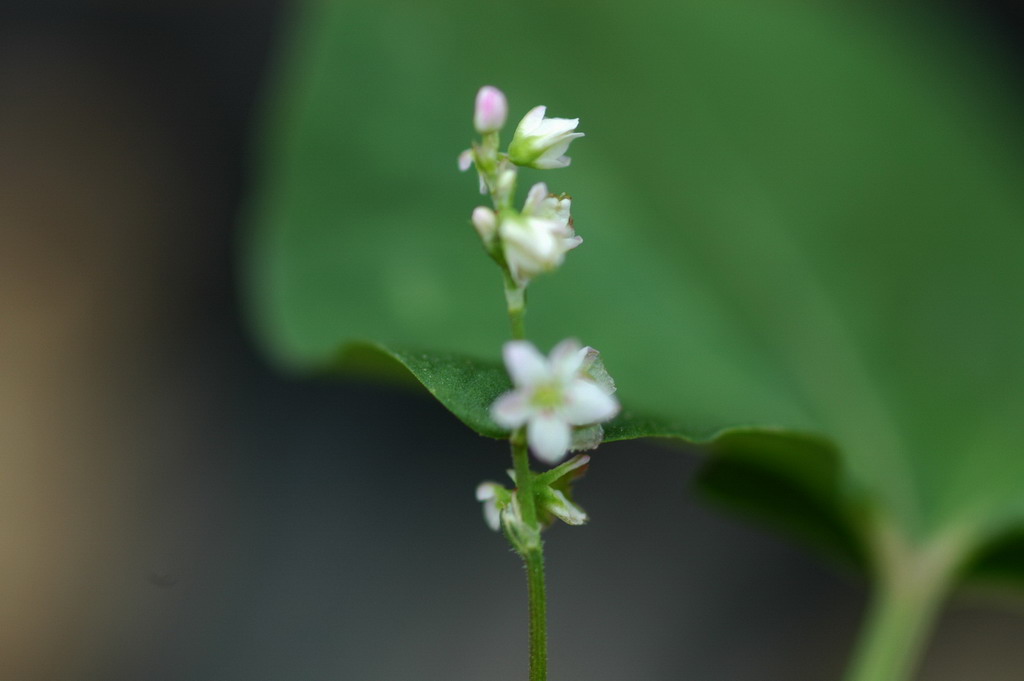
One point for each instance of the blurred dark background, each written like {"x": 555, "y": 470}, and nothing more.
{"x": 172, "y": 508}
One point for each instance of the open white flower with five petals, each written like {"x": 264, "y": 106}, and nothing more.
{"x": 551, "y": 396}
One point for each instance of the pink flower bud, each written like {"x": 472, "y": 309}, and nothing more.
{"x": 491, "y": 110}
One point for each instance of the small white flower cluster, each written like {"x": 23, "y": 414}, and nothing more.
{"x": 535, "y": 239}
{"x": 554, "y": 500}
{"x": 561, "y": 400}
{"x": 557, "y": 403}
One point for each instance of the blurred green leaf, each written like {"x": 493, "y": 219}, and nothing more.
{"x": 797, "y": 219}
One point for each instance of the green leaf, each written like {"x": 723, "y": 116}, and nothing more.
{"x": 795, "y": 222}
{"x": 465, "y": 386}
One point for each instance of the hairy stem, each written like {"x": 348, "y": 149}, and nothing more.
{"x": 533, "y": 557}
{"x": 524, "y": 478}
{"x": 534, "y": 560}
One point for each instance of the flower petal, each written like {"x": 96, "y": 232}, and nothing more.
{"x": 544, "y": 163}
{"x": 553, "y": 127}
{"x": 486, "y": 490}
{"x": 535, "y": 199}
{"x": 525, "y": 364}
{"x": 555, "y": 152}
{"x": 492, "y": 516}
{"x": 586, "y": 403}
{"x": 548, "y": 437}
{"x": 566, "y": 359}
{"x": 531, "y": 120}
{"x": 511, "y": 410}
{"x": 530, "y": 246}
{"x": 485, "y": 222}
{"x": 563, "y": 208}
{"x": 493, "y": 497}
{"x": 466, "y": 160}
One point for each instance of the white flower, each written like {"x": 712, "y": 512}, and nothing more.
{"x": 541, "y": 142}
{"x": 537, "y": 239}
{"x": 551, "y": 396}
{"x": 502, "y": 511}
{"x": 542, "y": 204}
{"x": 486, "y": 224}
{"x": 491, "y": 110}
{"x": 489, "y": 493}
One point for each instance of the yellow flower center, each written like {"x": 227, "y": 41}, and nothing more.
{"x": 547, "y": 396}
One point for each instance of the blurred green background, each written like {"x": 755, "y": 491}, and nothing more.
{"x": 176, "y": 509}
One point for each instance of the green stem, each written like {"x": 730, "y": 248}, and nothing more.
{"x": 533, "y": 557}
{"x": 897, "y": 626}
{"x": 524, "y": 477}
{"x": 912, "y": 583}
{"x": 515, "y": 298}
{"x": 538, "y": 614}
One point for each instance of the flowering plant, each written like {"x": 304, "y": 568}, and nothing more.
{"x": 558, "y": 402}
{"x": 821, "y": 347}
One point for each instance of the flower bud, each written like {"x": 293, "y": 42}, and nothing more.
{"x": 491, "y": 110}
{"x": 486, "y": 223}
{"x": 556, "y": 503}
{"x": 541, "y": 142}
{"x": 494, "y": 498}
{"x": 523, "y": 537}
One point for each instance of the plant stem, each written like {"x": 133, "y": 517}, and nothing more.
{"x": 524, "y": 477}
{"x": 891, "y": 643}
{"x": 533, "y": 557}
{"x": 538, "y": 614}
{"x": 912, "y": 583}
{"x": 515, "y": 298}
